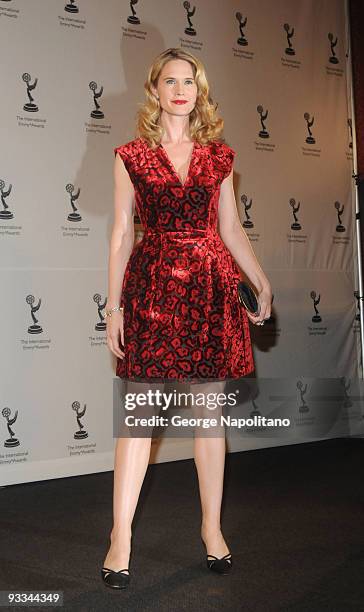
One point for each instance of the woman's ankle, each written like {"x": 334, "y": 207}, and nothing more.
{"x": 210, "y": 528}
{"x": 120, "y": 534}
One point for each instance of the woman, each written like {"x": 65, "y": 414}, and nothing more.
{"x": 172, "y": 311}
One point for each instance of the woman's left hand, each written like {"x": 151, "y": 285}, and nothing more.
{"x": 265, "y": 303}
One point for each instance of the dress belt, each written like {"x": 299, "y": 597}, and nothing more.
{"x": 189, "y": 233}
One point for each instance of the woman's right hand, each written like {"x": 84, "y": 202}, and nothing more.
{"x": 115, "y": 333}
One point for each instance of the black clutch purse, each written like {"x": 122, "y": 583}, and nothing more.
{"x": 248, "y": 298}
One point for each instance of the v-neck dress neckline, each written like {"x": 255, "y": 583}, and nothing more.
{"x": 173, "y": 169}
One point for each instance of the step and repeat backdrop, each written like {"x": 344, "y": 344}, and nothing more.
{"x": 72, "y": 78}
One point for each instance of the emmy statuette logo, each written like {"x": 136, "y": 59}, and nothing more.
{"x": 247, "y": 223}
{"x": 352, "y": 400}
{"x": 340, "y": 209}
{"x": 289, "y": 33}
{"x": 191, "y": 41}
{"x": 303, "y": 407}
{"x": 241, "y": 50}
{"x": 332, "y": 66}
{"x": 12, "y": 441}
{"x": 35, "y": 328}
{"x": 316, "y": 329}
{"x": 134, "y": 19}
{"x": 24, "y": 120}
{"x": 101, "y": 325}
{"x": 241, "y": 40}
{"x": 316, "y": 300}
{"x": 5, "y": 213}
{"x": 263, "y": 143}
{"x": 30, "y": 106}
{"x": 332, "y": 59}
{"x": 82, "y": 432}
{"x": 263, "y": 116}
{"x": 310, "y": 139}
{"x": 190, "y": 30}
{"x": 75, "y": 230}
{"x": 295, "y": 208}
{"x": 96, "y": 113}
{"x": 74, "y": 215}
{"x": 309, "y": 123}
{"x": 288, "y": 58}
{"x": 304, "y": 418}
{"x": 340, "y": 236}
{"x": 71, "y": 7}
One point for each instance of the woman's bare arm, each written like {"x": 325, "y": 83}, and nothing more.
{"x": 121, "y": 246}
{"x": 234, "y": 237}
{"x": 122, "y": 236}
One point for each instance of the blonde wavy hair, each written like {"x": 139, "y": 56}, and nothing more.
{"x": 205, "y": 124}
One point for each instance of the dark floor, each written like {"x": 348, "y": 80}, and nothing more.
{"x": 292, "y": 517}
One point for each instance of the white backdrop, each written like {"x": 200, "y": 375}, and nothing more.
{"x": 278, "y": 72}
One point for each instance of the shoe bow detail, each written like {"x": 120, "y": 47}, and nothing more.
{"x": 116, "y": 579}
{"x": 220, "y": 565}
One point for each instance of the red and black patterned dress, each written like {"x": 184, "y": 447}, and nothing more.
{"x": 182, "y": 317}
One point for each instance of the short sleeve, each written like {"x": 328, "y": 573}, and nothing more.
{"x": 229, "y": 160}
{"x": 126, "y": 157}
{"x": 224, "y": 158}
{"x": 121, "y": 151}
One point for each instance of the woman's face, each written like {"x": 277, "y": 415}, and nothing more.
{"x": 176, "y": 84}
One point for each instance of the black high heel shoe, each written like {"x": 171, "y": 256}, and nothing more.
{"x": 220, "y": 566}
{"x": 115, "y": 579}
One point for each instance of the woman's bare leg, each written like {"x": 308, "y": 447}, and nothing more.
{"x": 131, "y": 463}
{"x": 209, "y": 455}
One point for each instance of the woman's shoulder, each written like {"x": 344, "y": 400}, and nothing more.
{"x": 220, "y": 147}
{"x": 222, "y": 156}
{"x": 131, "y": 147}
